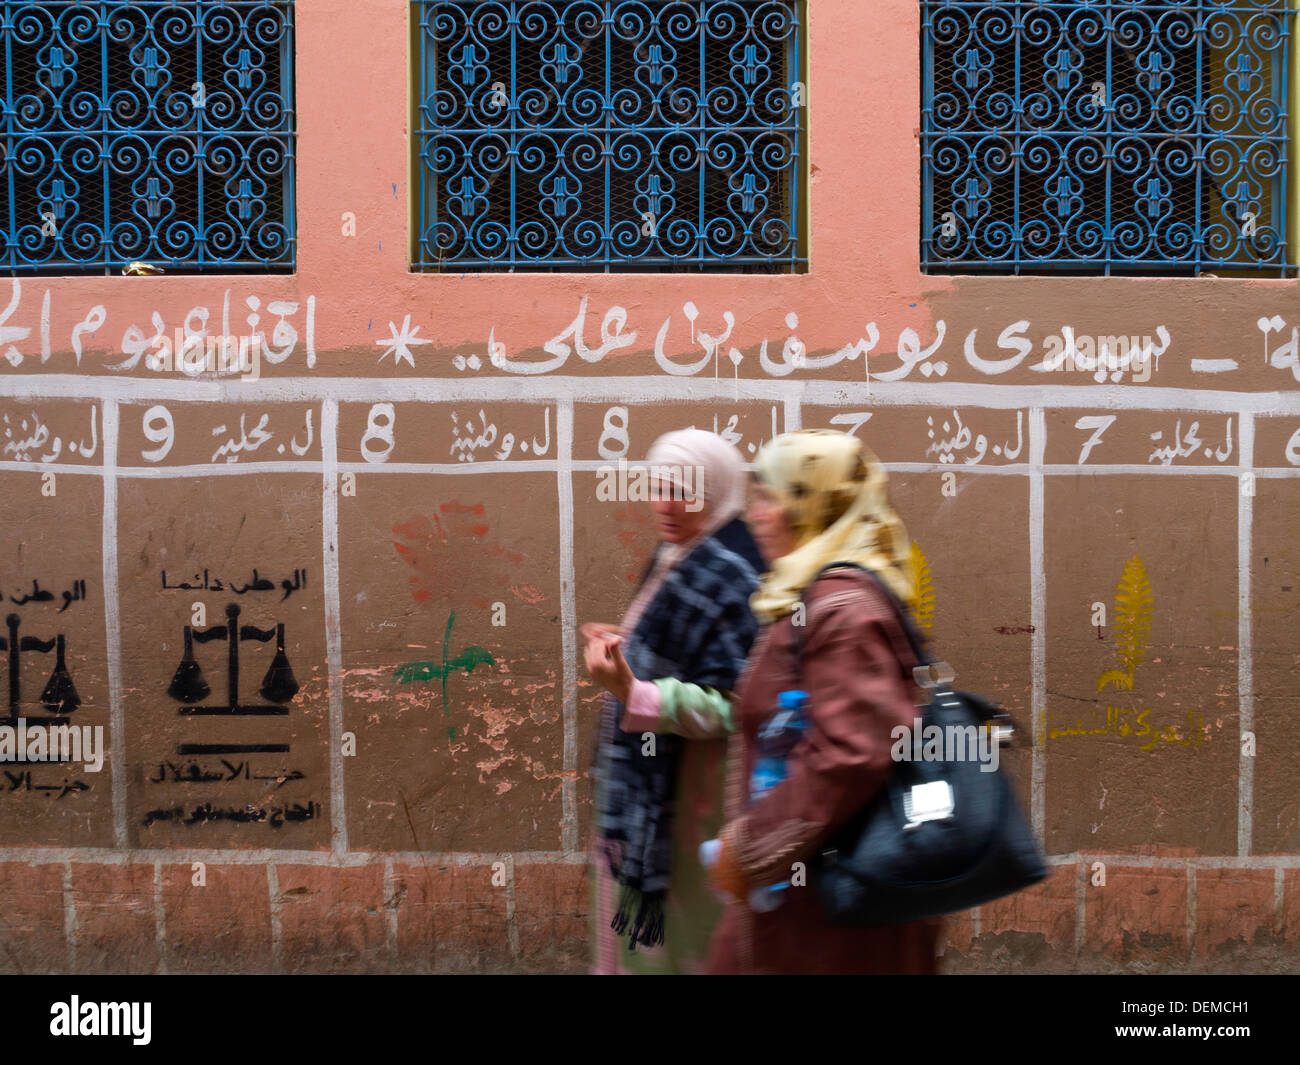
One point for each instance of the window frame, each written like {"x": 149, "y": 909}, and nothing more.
{"x": 422, "y": 218}
{"x": 1285, "y": 196}
{"x": 198, "y": 133}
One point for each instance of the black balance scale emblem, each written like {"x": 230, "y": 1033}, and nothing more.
{"x": 59, "y": 695}
{"x": 190, "y": 689}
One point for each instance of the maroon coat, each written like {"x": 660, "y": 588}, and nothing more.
{"x": 856, "y": 668}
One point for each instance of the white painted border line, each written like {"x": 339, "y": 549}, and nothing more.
{"x": 235, "y": 469}
{"x": 329, "y": 422}
{"x": 1080, "y": 907}
{"x": 159, "y": 918}
{"x": 1137, "y": 469}
{"x": 390, "y": 913}
{"x": 1213, "y": 365}
{"x": 451, "y": 469}
{"x": 1136, "y": 861}
{"x": 273, "y": 895}
{"x": 226, "y": 469}
{"x": 113, "y": 625}
{"x": 69, "y": 468}
{"x": 512, "y": 926}
{"x": 647, "y": 390}
{"x": 1009, "y": 469}
{"x": 568, "y": 622}
{"x": 70, "y": 916}
{"x": 793, "y": 413}
{"x": 1279, "y": 885}
{"x": 355, "y": 859}
{"x": 1038, "y": 620}
{"x": 1245, "y": 640}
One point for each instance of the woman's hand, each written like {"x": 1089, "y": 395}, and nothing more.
{"x": 593, "y": 629}
{"x": 606, "y": 664}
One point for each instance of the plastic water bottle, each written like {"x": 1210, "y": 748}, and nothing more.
{"x": 776, "y": 739}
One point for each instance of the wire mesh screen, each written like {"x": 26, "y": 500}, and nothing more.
{"x": 159, "y": 131}
{"x": 604, "y": 135}
{"x": 1105, "y": 137}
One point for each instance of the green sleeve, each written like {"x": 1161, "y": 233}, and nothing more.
{"x": 693, "y": 711}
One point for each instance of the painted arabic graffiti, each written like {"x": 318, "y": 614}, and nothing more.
{"x": 911, "y": 352}
{"x": 295, "y": 426}
{"x": 1132, "y": 613}
{"x": 152, "y": 345}
{"x": 230, "y": 762}
{"x": 1109, "y": 359}
{"x": 257, "y": 584}
{"x": 466, "y": 440}
{"x": 33, "y": 436}
{"x": 73, "y": 594}
{"x": 948, "y": 448}
{"x": 275, "y": 816}
{"x": 704, "y": 342}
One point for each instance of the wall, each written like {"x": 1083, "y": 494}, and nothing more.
{"x": 424, "y": 824}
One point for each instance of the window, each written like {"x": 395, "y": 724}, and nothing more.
{"x": 609, "y": 135}
{"x": 1083, "y": 136}
{"x": 158, "y": 131}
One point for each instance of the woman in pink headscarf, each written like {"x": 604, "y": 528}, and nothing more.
{"x": 669, "y": 669}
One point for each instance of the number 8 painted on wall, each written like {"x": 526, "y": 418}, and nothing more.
{"x": 379, "y": 430}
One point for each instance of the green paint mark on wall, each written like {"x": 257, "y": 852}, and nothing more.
{"x": 473, "y": 656}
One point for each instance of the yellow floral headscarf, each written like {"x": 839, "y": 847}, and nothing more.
{"x": 835, "y": 495}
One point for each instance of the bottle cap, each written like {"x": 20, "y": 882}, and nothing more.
{"x": 792, "y": 700}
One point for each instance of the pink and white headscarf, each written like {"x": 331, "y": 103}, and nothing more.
{"x": 718, "y": 478}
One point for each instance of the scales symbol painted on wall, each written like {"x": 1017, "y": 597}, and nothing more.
{"x": 59, "y": 695}
{"x": 189, "y": 688}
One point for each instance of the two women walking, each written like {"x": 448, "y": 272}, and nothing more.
{"x": 819, "y": 498}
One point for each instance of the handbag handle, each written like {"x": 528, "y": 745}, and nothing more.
{"x": 932, "y": 676}
{"x": 927, "y": 673}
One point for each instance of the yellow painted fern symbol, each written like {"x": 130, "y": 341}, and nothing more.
{"x": 1132, "y": 624}
{"x": 921, "y": 581}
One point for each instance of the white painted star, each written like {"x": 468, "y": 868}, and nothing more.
{"x": 399, "y": 343}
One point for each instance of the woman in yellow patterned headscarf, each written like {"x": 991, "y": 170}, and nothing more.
{"x": 820, "y": 498}
{"x": 834, "y": 493}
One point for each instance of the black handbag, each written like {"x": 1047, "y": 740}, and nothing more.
{"x": 943, "y": 834}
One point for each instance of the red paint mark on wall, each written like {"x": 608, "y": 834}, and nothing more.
{"x": 444, "y": 548}
{"x": 635, "y": 532}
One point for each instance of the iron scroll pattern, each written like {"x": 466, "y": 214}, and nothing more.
{"x": 159, "y": 131}
{"x": 1105, "y": 136}
{"x": 609, "y": 135}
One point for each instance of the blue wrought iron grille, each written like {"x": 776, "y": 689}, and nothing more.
{"x": 609, "y": 135}
{"x": 159, "y": 131}
{"x": 1134, "y": 136}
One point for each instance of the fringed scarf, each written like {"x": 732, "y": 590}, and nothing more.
{"x": 699, "y": 629}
